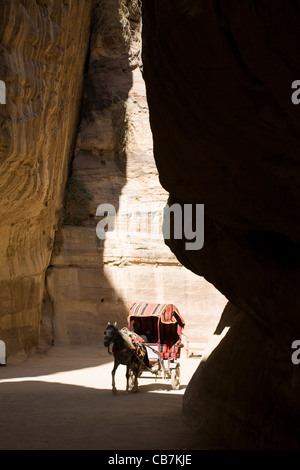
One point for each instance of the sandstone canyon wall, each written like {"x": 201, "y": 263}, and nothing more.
{"x": 91, "y": 281}
{"x": 226, "y": 134}
{"x": 75, "y": 134}
{"x": 43, "y": 52}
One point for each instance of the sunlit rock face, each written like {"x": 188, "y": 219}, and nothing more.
{"x": 92, "y": 280}
{"x": 76, "y": 110}
{"x": 43, "y": 51}
{"x": 226, "y": 134}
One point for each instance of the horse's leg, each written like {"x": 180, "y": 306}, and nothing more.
{"x": 127, "y": 376}
{"x": 135, "y": 387}
{"x": 114, "y": 390}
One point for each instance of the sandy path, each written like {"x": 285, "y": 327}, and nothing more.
{"x": 63, "y": 401}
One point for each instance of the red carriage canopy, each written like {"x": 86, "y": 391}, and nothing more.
{"x": 168, "y": 313}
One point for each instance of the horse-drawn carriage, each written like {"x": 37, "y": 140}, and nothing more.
{"x": 153, "y": 337}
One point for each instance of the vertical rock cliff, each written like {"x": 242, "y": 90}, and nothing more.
{"x": 43, "y": 52}
{"x": 75, "y": 134}
{"x": 226, "y": 134}
{"x": 91, "y": 281}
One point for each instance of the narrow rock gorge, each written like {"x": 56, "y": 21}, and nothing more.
{"x": 135, "y": 104}
{"x": 75, "y": 135}
{"x": 91, "y": 281}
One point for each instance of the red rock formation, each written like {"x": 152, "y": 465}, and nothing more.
{"x": 226, "y": 134}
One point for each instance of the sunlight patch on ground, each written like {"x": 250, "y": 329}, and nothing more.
{"x": 90, "y": 377}
{"x": 99, "y": 377}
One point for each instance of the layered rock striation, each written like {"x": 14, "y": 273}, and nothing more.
{"x": 43, "y": 51}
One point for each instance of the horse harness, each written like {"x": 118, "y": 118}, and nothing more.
{"x": 123, "y": 350}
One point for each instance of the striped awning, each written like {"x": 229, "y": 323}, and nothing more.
{"x": 168, "y": 313}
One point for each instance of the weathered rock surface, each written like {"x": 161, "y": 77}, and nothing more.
{"x": 43, "y": 51}
{"x": 226, "y": 135}
{"x": 244, "y": 387}
{"x": 76, "y": 106}
{"x": 92, "y": 281}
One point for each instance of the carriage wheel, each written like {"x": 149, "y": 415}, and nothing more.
{"x": 175, "y": 378}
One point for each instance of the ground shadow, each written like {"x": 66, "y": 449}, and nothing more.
{"x": 52, "y": 416}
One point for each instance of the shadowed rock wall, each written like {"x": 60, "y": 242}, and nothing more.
{"x": 226, "y": 134}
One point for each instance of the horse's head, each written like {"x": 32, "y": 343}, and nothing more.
{"x": 109, "y": 334}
